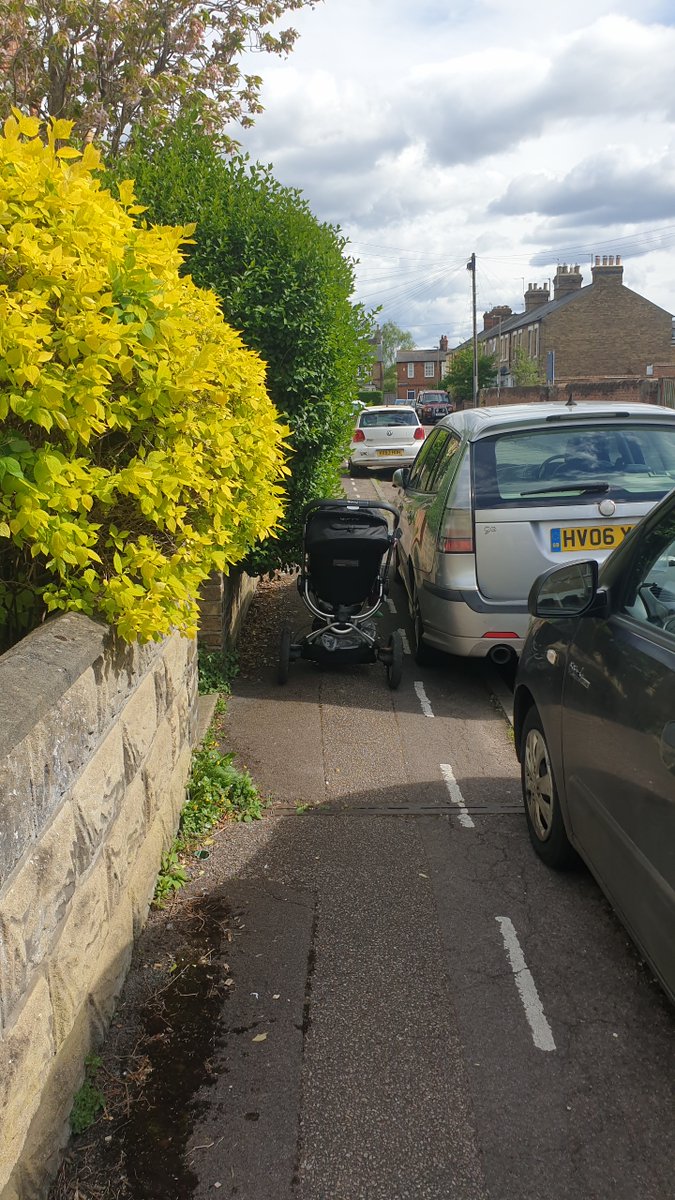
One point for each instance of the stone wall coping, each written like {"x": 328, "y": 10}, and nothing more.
{"x": 35, "y": 673}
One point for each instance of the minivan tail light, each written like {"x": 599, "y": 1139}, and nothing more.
{"x": 419, "y": 434}
{"x": 359, "y": 436}
{"x": 455, "y": 535}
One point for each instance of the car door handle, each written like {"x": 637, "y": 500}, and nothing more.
{"x": 668, "y": 745}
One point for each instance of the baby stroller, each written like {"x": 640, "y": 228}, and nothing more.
{"x": 347, "y": 549}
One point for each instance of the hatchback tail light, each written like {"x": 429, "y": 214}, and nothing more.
{"x": 419, "y": 434}
{"x": 359, "y": 436}
{"x": 455, "y": 535}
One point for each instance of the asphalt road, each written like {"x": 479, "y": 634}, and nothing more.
{"x": 437, "y": 1015}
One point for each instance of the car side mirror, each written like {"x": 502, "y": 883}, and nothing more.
{"x": 400, "y": 477}
{"x": 568, "y": 591}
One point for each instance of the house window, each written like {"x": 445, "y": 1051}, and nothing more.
{"x": 429, "y": 370}
{"x": 411, "y": 394}
{"x": 411, "y": 370}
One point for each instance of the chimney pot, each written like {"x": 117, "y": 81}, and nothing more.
{"x": 597, "y": 260}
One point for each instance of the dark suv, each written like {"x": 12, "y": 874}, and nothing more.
{"x": 432, "y": 406}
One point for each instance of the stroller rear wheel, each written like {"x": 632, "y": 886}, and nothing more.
{"x": 394, "y": 667}
{"x": 284, "y": 656}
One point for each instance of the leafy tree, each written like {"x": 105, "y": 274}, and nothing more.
{"x": 389, "y": 380}
{"x": 111, "y": 65}
{"x": 393, "y": 339}
{"x": 459, "y": 377}
{"x": 526, "y": 371}
{"x": 139, "y": 449}
{"x": 283, "y": 280}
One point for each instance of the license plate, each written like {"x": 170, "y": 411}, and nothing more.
{"x": 387, "y": 451}
{"x": 587, "y": 537}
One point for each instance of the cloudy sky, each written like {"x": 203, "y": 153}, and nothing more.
{"x": 533, "y": 132}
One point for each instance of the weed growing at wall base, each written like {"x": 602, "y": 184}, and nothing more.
{"x": 89, "y": 1100}
{"x": 217, "y": 791}
{"x": 216, "y": 671}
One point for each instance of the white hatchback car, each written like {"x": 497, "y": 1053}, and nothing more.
{"x": 499, "y": 495}
{"x": 386, "y": 435}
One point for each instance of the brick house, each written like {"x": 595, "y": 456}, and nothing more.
{"x": 601, "y": 331}
{"x": 419, "y": 370}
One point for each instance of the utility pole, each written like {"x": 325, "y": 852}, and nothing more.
{"x": 471, "y": 266}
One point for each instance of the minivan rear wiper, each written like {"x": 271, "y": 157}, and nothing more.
{"x": 589, "y": 487}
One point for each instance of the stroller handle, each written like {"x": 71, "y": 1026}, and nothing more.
{"x": 351, "y": 506}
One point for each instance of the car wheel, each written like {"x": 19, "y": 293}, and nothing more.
{"x": 395, "y": 667}
{"x": 355, "y": 472}
{"x": 422, "y": 653}
{"x": 540, "y": 797}
{"x": 284, "y": 656}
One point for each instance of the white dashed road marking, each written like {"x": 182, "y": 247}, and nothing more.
{"x": 456, "y": 796}
{"x": 424, "y": 700}
{"x": 404, "y": 641}
{"x": 391, "y": 606}
{"x": 541, "y": 1030}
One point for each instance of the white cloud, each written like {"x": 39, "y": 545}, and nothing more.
{"x": 529, "y": 133}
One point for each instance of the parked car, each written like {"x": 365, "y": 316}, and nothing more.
{"x": 499, "y": 494}
{"x": 386, "y": 435}
{"x": 594, "y": 715}
{"x": 432, "y": 406}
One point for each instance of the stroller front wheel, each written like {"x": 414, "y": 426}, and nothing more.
{"x": 284, "y": 656}
{"x": 394, "y": 667}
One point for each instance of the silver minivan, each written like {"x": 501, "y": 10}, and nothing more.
{"x": 498, "y": 495}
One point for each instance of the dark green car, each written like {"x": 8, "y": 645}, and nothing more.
{"x": 594, "y": 715}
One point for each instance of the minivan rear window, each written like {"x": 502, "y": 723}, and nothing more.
{"x": 535, "y": 467}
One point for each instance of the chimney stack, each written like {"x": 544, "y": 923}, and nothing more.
{"x": 535, "y": 296}
{"x": 567, "y": 279}
{"x": 443, "y": 344}
{"x": 609, "y": 270}
{"x": 501, "y": 312}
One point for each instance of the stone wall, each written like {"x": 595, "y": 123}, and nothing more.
{"x": 95, "y": 746}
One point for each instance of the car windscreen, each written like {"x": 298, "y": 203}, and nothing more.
{"x": 378, "y": 420}
{"x": 562, "y": 464}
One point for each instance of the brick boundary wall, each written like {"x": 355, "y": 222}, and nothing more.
{"x": 633, "y": 391}
{"x": 223, "y": 604}
{"x": 95, "y": 745}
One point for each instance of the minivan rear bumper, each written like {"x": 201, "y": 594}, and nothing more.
{"x": 463, "y": 622}
{"x": 473, "y": 599}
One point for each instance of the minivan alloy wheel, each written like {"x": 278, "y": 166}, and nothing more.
{"x": 538, "y": 780}
{"x": 545, "y": 822}
{"x": 423, "y": 654}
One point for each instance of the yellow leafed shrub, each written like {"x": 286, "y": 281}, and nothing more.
{"x": 139, "y": 449}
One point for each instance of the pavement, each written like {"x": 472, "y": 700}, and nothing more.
{"x": 378, "y": 992}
